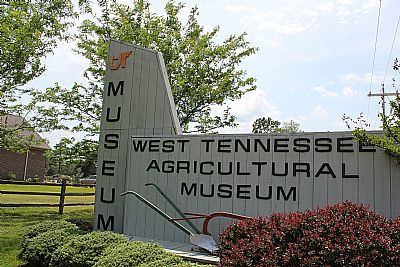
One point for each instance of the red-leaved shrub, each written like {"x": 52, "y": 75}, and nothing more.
{"x": 345, "y": 234}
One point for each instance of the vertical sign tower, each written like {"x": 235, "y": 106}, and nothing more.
{"x": 137, "y": 100}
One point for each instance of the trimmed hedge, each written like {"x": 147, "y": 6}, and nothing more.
{"x": 172, "y": 261}
{"x": 142, "y": 255}
{"x": 85, "y": 250}
{"x": 131, "y": 254}
{"x": 39, "y": 249}
{"x": 341, "y": 235}
{"x": 30, "y": 239}
{"x": 47, "y": 225}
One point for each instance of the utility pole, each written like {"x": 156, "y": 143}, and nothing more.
{"x": 382, "y": 95}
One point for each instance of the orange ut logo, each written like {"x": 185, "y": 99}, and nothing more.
{"x": 120, "y": 60}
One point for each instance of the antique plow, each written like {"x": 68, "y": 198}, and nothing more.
{"x": 202, "y": 239}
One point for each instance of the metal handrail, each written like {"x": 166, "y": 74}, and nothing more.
{"x": 159, "y": 211}
{"x": 175, "y": 207}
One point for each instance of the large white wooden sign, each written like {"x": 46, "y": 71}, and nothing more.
{"x": 252, "y": 175}
{"x": 136, "y": 100}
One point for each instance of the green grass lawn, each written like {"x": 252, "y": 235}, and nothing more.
{"x": 13, "y": 221}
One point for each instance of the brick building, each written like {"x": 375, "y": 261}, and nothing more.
{"x": 27, "y": 165}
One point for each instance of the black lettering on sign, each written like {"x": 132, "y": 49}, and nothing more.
{"x": 188, "y": 191}
{"x": 245, "y": 147}
{"x": 203, "y": 194}
{"x": 117, "y": 118}
{"x": 101, "y": 221}
{"x": 168, "y": 146}
{"x": 323, "y": 144}
{"x": 239, "y": 171}
{"x": 285, "y": 173}
{"x": 223, "y": 147}
{"x": 259, "y": 164}
{"x": 225, "y": 191}
{"x": 344, "y": 175}
{"x": 111, "y": 87}
{"x": 301, "y": 167}
{"x": 209, "y": 172}
{"x": 154, "y": 145}
{"x": 344, "y": 147}
{"x": 301, "y": 145}
{"x": 111, "y": 141}
{"x": 112, "y": 196}
{"x": 228, "y": 171}
{"x": 207, "y": 141}
{"x": 241, "y": 192}
{"x": 281, "y": 145}
{"x": 167, "y": 166}
{"x": 323, "y": 171}
{"x": 362, "y": 147}
{"x": 259, "y": 143}
{"x": 183, "y": 165}
{"x": 153, "y": 165}
{"x": 182, "y": 142}
{"x": 281, "y": 191}
{"x": 267, "y": 197}
{"x": 108, "y": 167}
{"x": 139, "y": 145}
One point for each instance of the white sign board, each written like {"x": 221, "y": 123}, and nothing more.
{"x": 251, "y": 175}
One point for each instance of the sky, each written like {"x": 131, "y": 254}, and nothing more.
{"x": 315, "y": 60}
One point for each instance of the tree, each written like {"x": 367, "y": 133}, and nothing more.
{"x": 29, "y": 30}
{"x": 268, "y": 125}
{"x": 202, "y": 73}
{"x": 389, "y": 140}
{"x": 290, "y": 127}
{"x": 265, "y": 125}
{"x": 68, "y": 157}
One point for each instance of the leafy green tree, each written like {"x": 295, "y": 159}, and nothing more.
{"x": 29, "y": 30}
{"x": 202, "y": 73}
{"x": 289, "y": 127}
{"x": 265, "y": 125}
{"x": 268, "y": 125}
{"x": 68, "y": 157}
{"x": 389, "y": 140}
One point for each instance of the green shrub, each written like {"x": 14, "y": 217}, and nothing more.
{"x": 84, "y": 225}
{"x": 39, "y": 250}
{"x": 170, "y": 260}
{"x": 173, "y": 261}
{"x": 45, "y": 226}
{"x": 85, "y": 250}
{"x": 141, "y": 255}
{"x": 131, "y": 254}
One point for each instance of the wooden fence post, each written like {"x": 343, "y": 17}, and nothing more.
{"x": 62, "y": 196}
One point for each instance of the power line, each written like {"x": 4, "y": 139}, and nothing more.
{"x": 376, "y": 42}
{"x": 391, "y": 50}
{"x": 373, "y": 61}
{"x": 387, "y": 67}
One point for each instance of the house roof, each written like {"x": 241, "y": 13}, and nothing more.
{"x": 13, "y": 121}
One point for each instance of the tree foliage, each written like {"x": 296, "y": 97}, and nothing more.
{"x": 268, "y": 125}
{"x": 77, "y": 159}
{"x": 29, "y": 30}
{"x": 389, "y": 140}
{"x": 202, "y": 72}
{"x": 265, "y": 125}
